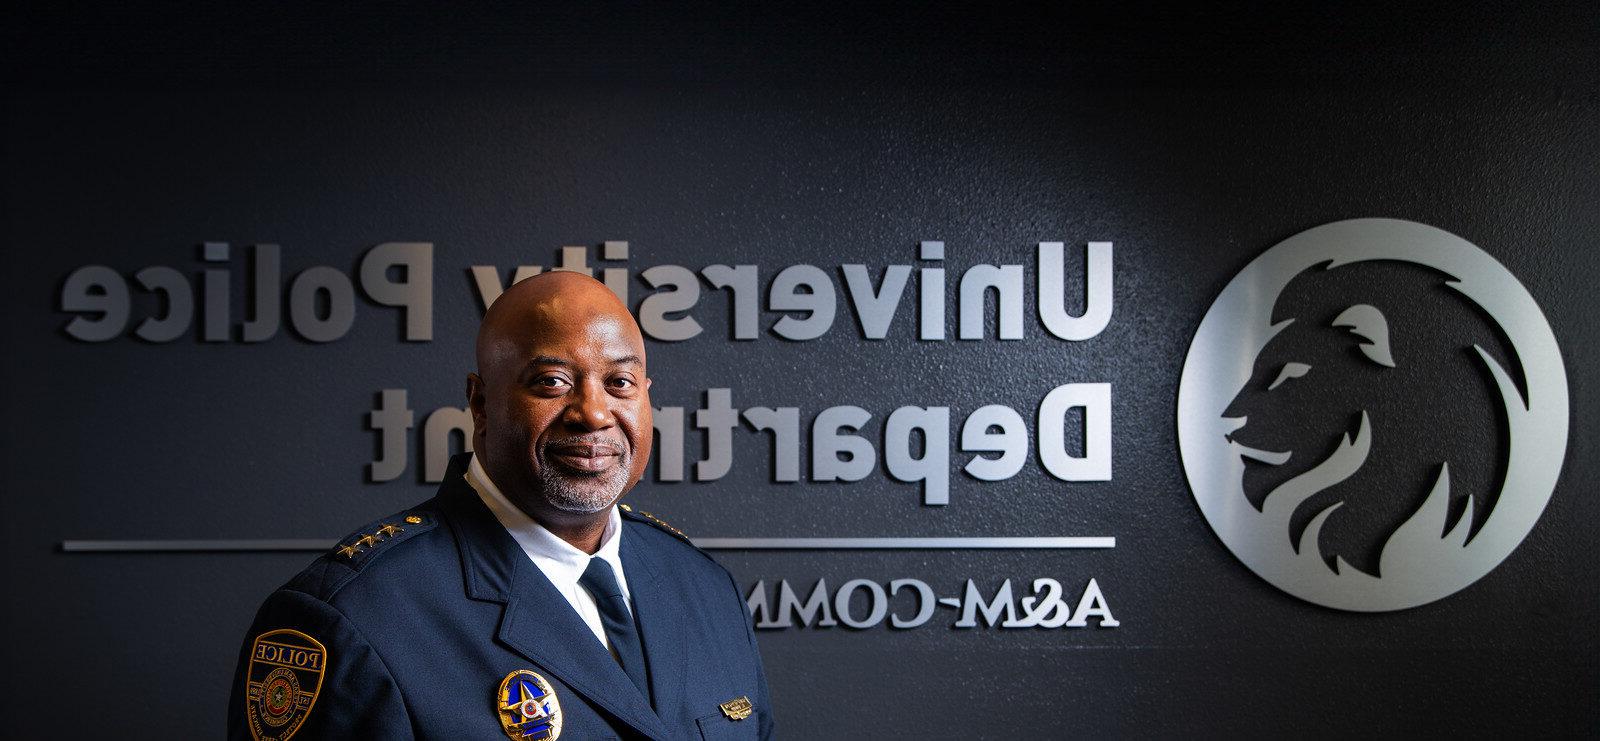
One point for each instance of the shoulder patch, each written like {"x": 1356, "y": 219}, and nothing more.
{"x": 630, "y": 513}
{"x": 363, "y": 545}
{"x": 282, "y": 682}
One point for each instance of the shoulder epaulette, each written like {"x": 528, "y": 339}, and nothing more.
{"x": 649, "y": 519}
{"x": 362, "y": 546}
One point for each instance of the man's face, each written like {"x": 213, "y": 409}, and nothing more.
{"x": 563, "y": 407}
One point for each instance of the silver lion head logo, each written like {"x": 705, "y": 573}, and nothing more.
{"x": 1354, "y": 388}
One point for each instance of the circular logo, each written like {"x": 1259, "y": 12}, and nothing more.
{"x": 279, "y": 693}
{"x": 1439, "y": 546}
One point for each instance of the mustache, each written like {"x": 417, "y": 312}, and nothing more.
{"x": 587, "y": 445}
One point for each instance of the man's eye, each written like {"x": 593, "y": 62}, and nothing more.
{"x": 622, "y": 383}
{"x": 551, "y": 382}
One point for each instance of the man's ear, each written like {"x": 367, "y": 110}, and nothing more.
{"x": 1367, "y": 322}
{"x": 475, "y": 405}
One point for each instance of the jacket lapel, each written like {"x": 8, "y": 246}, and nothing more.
{"x": 540, "y": 625}
{"x": 661, "y": 628}
{"x": 536, "y": 621}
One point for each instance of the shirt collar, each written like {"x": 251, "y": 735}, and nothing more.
{"x": 557, "y": 558}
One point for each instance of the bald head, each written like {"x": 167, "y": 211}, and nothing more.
{"x": 543, "y": 301}
{"x": 560, "y": 402}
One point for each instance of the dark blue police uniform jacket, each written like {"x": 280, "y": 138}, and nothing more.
{"x": 419, "y": 623}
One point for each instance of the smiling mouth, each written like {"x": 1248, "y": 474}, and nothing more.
{"x": 586, "y": 458}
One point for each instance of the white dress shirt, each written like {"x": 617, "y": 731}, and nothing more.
{"x": 561, "y": 563}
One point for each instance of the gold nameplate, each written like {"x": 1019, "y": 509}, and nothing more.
{"x": 737, "y": 709}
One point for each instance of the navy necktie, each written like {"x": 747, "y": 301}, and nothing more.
{"x": 601, "y": 582}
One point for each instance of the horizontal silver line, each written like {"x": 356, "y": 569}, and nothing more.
{"x": 809, "y": 544}
{"x": 714, "y": 544}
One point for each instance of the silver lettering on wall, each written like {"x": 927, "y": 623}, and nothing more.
{"x": 1429, "y": 556}
{"x": 400, "y": 275}
{"x": 322, "y": 304}
{"x": 321, "y": 298}
{"x": 861, "y": 604}
{"x": 808, "y": 301}
{"x": 840, "y": 450}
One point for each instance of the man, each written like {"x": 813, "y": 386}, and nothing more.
{"x": 521, "y": 600}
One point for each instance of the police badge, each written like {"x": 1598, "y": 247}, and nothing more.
{"x": 286, "y": 668}
{"x": 528, "y": 707}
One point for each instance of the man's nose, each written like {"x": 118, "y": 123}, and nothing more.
{"x": 589, "y": 407}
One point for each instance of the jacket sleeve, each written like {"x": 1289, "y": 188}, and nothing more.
{"x": 281, "y": 688}
{"x": 763, "y": 698}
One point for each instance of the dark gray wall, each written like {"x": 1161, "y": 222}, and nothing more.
{"x": 1191, "y": 140}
